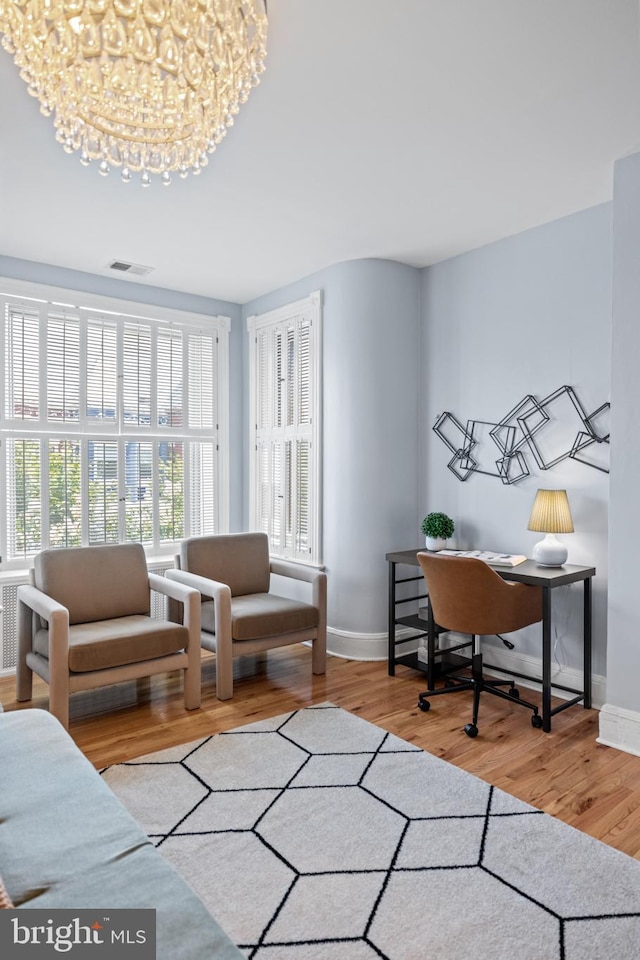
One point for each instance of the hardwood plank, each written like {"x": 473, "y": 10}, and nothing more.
{"x": 566, "y": 773}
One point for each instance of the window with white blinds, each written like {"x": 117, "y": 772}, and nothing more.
{"x": 285, "y": 370}
{"x": 114, "y": 425}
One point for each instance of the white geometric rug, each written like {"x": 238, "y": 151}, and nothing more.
{"x": 318, "y": 836}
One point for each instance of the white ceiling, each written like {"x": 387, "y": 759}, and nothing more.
{"x": 404, "y": 129}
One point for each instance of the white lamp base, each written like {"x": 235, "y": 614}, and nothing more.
{"x": 550, "y": 552}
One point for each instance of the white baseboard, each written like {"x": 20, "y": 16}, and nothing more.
{"x": 373, "y": 646}
{"x": 567, "y": 676}
{"x": 357, "y": 646}
{"x": 620, "y": 728}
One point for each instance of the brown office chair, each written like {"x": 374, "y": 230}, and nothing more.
{"x": 85, "y": 621}
{"x": 240, "y": 615}
{"x": 467, "y": 596}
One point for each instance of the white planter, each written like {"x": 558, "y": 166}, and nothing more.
{"x": 435, "y": 543}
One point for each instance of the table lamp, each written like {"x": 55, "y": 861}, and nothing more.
{"x": 550, "y": 514}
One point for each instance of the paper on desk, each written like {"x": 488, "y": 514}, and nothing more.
{"x": 493, "y": 558}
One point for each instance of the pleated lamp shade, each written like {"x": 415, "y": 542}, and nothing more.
{"x": 550, "y": 514}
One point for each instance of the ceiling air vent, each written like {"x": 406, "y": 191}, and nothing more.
{"x": 135, "y": 269}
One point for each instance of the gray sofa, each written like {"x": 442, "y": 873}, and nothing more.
{"x": 67, "y": 841}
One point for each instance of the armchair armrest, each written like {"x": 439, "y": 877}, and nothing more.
{"x": 46, "y": 607}
{"x": 188, "y": 596}
{"x": 316, "y": 576}
{"x": 177, "y": 591}
{"x": 204, "y": 586}
{"x": 221, "y": 594}
{"x": 296, "y": 571}
{"x": 57, "y": 618}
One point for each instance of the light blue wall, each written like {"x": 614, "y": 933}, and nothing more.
{"x": 522, "y": 316}
{"x": 371, "y": 311}
{"x": 623, "y": 661}
{"x": 471, "y": 335}
{"x": 156, "y": 296}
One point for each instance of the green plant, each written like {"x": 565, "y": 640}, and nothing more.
{"x": 438, "y": 525}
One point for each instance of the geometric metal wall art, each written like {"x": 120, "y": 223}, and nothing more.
{"x": 550, "y": 430}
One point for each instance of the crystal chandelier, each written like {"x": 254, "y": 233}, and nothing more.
{"x": 148, "y": 86}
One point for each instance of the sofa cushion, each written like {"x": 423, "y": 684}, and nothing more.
{"x": 95, "y": 583}
{"x": 263, "y": 615}
{"x": 241, "y": 560}
{"x": 113, "y": 643}
{"x": 67, "y": 841}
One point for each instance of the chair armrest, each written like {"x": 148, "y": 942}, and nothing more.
{"x": 188, "y": 596}
{"x": 206, "y": 587}
{"x": 316, "y": 576}
{"x": 45, "y": 606}
{"x": 221, "y": 594}
{"x": 296, "y": 571}
{"x": 57, "y": 617}
{"x": 177, "y": 591}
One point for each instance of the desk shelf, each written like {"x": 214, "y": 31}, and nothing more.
{"x": 439, "y": 662}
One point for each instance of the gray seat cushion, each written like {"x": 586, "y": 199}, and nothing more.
{"x": 114, "y": 643}
{"x": 262, "y": 615}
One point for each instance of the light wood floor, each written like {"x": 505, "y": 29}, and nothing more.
{"x": 565, "y": 772}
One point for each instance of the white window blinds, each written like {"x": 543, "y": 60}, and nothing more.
{"x": 111, "y": 425}
{"x": 22, "y": 363}
{"x": 102, "y": 377}
{"x": 285, "y": 351}
{"x": 63, "y": 369}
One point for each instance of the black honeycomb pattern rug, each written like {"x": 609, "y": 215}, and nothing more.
{"x": 318, "y": 836}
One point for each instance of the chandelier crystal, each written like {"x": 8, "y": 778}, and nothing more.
{"x": 149, "y": 86}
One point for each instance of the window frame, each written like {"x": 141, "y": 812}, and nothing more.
{"x": 54, "y": 301}
{"x": 308, "y": 308}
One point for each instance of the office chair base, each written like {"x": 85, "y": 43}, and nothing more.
{"x": 479, "y": 683}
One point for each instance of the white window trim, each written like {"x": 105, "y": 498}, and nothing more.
{"x": 312, "y": 307}
{"x": 33, "y": 292}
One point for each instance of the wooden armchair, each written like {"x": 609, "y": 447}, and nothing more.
{"x": 84, "y": 622}
{"x": 239, "y": 613}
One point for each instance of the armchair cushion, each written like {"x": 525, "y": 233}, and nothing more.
{"x": 239, "y": 560}
{"x": 262, "y": 615}
{"x": 115, "y": 642}
{"x": 96, "y": 583}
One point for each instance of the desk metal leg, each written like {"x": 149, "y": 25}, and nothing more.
{"x": 391, "y": 654}
{"x": 546, "y": 659}
{"x": 587, "y": 643}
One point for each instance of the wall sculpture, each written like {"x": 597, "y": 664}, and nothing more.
{"x": 549, "y": 430}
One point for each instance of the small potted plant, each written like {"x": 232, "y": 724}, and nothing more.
{"x": 437, "y": 528}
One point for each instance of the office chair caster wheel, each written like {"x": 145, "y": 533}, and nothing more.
{"x": 471, "y": 730}
{"x": 424, "y": 705}
{"x": 536, "y": 720}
